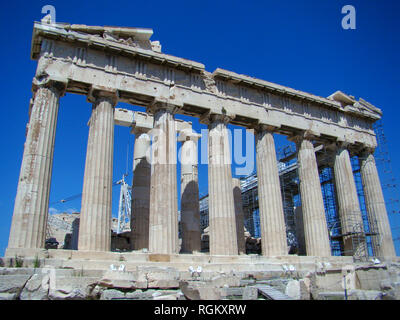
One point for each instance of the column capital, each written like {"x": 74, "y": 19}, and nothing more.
{"x": 211, "y": 117}
{"x": 366, "y": 151}
{"x": 336, "y": 147}
{"x": 163, "y": 104}
{"x": 304, "y": 135}
{"x": 260, "y": 127}
{"x": 101, "y": 92}
{"x": 60, "y": 84}
{"x": 352, "y": 147}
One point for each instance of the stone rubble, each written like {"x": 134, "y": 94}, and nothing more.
{"x": 364, "y": 282}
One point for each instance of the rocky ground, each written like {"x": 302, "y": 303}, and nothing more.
{"x": 367, "y": 281}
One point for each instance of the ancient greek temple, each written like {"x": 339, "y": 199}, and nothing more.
{"x": 116, "y": 64}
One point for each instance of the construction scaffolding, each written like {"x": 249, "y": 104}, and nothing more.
{"x": 384, "y": 164}
{"x": 330, "y": 204}
{"x": 388, "y": 179}
{"x": 359, "y": 233}
{"x": 248, "y": 186}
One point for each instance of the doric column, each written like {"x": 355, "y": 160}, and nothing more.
{"x": 239, "y": 215}
{"x": 378, "y": 219}
{"x": 348, "y": 205}
{"x": 222, "y": 222}
{"x": 95, "y": 219}
{"x": 29, "y": 222}
{"x": 314, "y": 220}
{"x": 163, "y": 219}
{"x": 272, "y": 220}
{"x": 190, "y": 209}
{"x": 140, "y": 207}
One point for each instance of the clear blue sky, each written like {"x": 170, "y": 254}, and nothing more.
{"x": 299, "y": 44}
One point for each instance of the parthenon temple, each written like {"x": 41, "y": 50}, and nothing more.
{"x": 109, "y": 65}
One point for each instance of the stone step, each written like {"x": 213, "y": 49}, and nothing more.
{"x": 271, "y": 293}
{"x": 133, "y": 265}
{"x": 60, "y": 272}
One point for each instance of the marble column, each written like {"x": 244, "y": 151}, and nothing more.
{"x": 348, "y": 205}
{"x": 382, "y": 243}
{"x": 140, "y": 208}
{"x": 163, "y": 216}
{"x": 190, "y": 208}
{"x": 222, "y": 222}
{"x": 95, "y": 219}
{"x": 272, "y": 220}
{"x": 239, "y": 216}
{"x": 29, "y": 222}
{"x": 314, "y": 220}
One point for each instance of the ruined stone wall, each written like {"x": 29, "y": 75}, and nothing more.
{"x": 19, "y": 280}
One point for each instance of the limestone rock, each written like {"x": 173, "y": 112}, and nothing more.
{"x": 391, "y": 291}
{"x": 225, "y": 280}
{"x": 250, "y": 293}
{"x": 140, "y": 295}
{"x": 330, "y": 295}
{"x": 297, "y": 289}
{"x": 67, "y": 294}
{"x": 199, "y": 291}
{"x": 17, "y": 271}
{"x": 365, "y": 295}
{"x": 351, "y": 295}
{"x": 166, "y": 297}
{"x": 386, "y": 285}
{"x": 305, "y": 292}
{"x": 394, "y": 272}
{"x": 396, "y": 287}
{"x": 278, "y": 284}
{"x": 293, "y": 289}
{"x": 36, "y": 288}
{"x": 231, "y": 293}
{"x": 123, "y": 280}
{"x": 371, "y": 277}
{"x": 310, "y": 284}
{"x": 12, "y": 284}
{"x": 8, "y": 296}
{"x": 71, "y": 288}
{"x": 111, "y": 294}
{"x": 163, "y": 278}
{"x": 96, "y": 292}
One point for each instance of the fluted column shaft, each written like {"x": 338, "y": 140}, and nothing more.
{"x": 190, "y": 208}
{"x": 163, "y": 219}
{"x": 222, "y": 224}
{"x": 314, "y": 220}
{"x": 383, "y": 242}
{"x": 348, "y": 205}
{"x": 272, "y": 220}
{"x": 140, "y": 191}
{"x": 239, "y": 215}
{"x": 29, "y": 222}
{"x": 95, "y": 220}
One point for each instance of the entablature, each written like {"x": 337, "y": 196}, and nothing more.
{"x": 142, "y": 76}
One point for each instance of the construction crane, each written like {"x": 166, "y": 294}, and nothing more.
{"x": 124, "y": 208}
